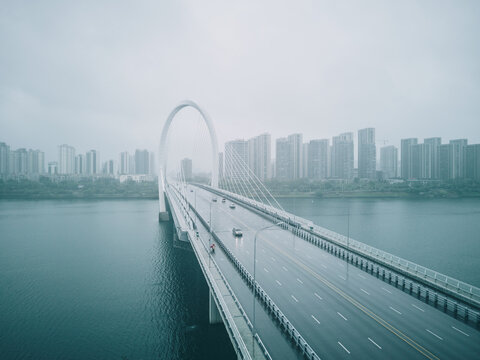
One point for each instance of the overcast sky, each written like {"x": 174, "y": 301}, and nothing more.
{"x": 106, "y": 74}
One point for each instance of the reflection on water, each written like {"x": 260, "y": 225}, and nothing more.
{"x": 85, "y": 280}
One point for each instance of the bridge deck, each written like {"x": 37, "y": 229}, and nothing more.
{"x": 340, "y": 310}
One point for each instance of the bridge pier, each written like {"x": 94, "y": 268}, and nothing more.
{"x": 214, "y": 316}
{"x": 163, "y": 216}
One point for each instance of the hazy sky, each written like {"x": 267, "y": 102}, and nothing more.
{"x": 105, "y": 74}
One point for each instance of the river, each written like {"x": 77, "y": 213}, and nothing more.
{"x": 103, "y": 280}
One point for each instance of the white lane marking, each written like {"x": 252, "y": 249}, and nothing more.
{"x": 363, "y": 277}
{"x": 314, "y": 318}
{"x": 278, "y": 282}
{"x": 418, "y": 308}
{"x": 398, "y": 312}
{"x": 324, "y": 266}
{"x": 263, "y": 250}
{"x": 222, "y": 259}
{"x": 431, "y": 332}
{"x": 342, "y": 277}
{"x": 309, "y": 257}
{"x": 343, "y": 317}
{"x": 300, "y": 281}
{"x": 460, "y": 331}
{"x": 318, "y": 296}
{"x": 365, "y": 291}
{"x": 247, "y": 252}
{"x": 265, "y": 270}
{"x": 388, "y": 291}
{"x": 294, "y": 298}
{"x": 374, "y": 343}
{"x": 256, "y": 260}
{"x": 344, "y": 348}
{"x": 284, "y": 268}
{"x": 342, "y": 265}
{"x": 273, "y": 259}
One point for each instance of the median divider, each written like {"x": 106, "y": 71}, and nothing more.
{"x": 454, "y": 297}
{"x": 265, "y": 299}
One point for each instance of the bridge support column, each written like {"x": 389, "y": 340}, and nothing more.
{"x": 163, "y": 216}
{"x": 214, "y": 316}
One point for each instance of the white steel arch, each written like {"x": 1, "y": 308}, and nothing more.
{"x": 163, "y": 149}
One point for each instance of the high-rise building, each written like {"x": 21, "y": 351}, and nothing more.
{"x": 295, "y": 158}
{"x": 472, "y": 162}
{"x": 457, "y": 158}
{"x": 220, "y": 166}
{"x": 422, "y": 161}
{"x": 52, "y": 168}
{"x": 342, "y": 156}
{"x": 389, "y": 161}
{"x": 66, "y": 159}
{"x": 260, "y": 156}
{"x": 435, "y": 143}
{"x": 80, "y": 165}
{"x": 21, "y": 161}
{"x": 367, "y": 154}
{"x": 109, "y": 168}
{"x": 305, "y": 160}
{"x": 236, "y": 160}
{"x": 407, "y": 157}
{"x": 142, "y": 162}
{"x": 4, "y": 159}
{"x": 93, "y": 162}
{"x": 444, "y": 161}
{"x": 186, "y": 169}
{"x": 281, "y": 159}
{"x": 124, "y": 166}
{"x": 318, "y": 154}
{"x": 35, "y": 162}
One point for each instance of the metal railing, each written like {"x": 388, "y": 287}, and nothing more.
{"x": 223, "y": 308}
{"x": 466, "y": 292}
{"x": 273, "y": 309}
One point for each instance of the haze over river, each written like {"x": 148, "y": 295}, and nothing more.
{"x": 102, "y": 279}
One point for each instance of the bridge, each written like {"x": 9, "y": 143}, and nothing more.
{"x": 290, "y": 289}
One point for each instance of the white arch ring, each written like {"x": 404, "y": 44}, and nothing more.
{"x": 163, "y": 148}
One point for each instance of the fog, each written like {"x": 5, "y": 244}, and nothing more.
{"x": 106, "y": 74}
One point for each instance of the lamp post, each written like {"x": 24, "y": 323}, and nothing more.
{"x": 254, "y": 277}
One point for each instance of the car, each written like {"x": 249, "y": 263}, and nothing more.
{"x": 232, "y": 206}
{"x": 237, "y": 232}
{"x": 191, "y": 190}
{"x": 223, "y": 200}
{"x": 214, "y": 199}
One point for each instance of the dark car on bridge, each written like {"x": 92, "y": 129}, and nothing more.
{"x": 237, "y": 232}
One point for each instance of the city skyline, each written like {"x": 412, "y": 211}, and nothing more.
{"x": 342, "y": 158}
{"x": 403, "y": 84}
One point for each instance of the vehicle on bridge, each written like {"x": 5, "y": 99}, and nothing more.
{"x": 223, "y": 200}
{"x": 214, "y": 199}
{"x": 237, "y": 232}
{"x": 232, "y": 206}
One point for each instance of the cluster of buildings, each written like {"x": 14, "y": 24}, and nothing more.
{"x": 22, "y": 163}
{"x": 324, "y": 159}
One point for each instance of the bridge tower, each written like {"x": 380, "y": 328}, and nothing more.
{"x": 162, "y": 158}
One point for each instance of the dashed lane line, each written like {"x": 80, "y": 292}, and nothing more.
{"x": 431, "y": 332}
{"x": 374, "y": 343}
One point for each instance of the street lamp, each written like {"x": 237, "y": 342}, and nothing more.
{"x": 254, "y": 276}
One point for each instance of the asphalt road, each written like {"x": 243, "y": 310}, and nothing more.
{"x": 341, "y": 311}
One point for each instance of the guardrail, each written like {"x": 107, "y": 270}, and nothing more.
{"x": 223, "y": 308}
{"x": 461, "y": 291}
{"x": 273, "y": 309}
